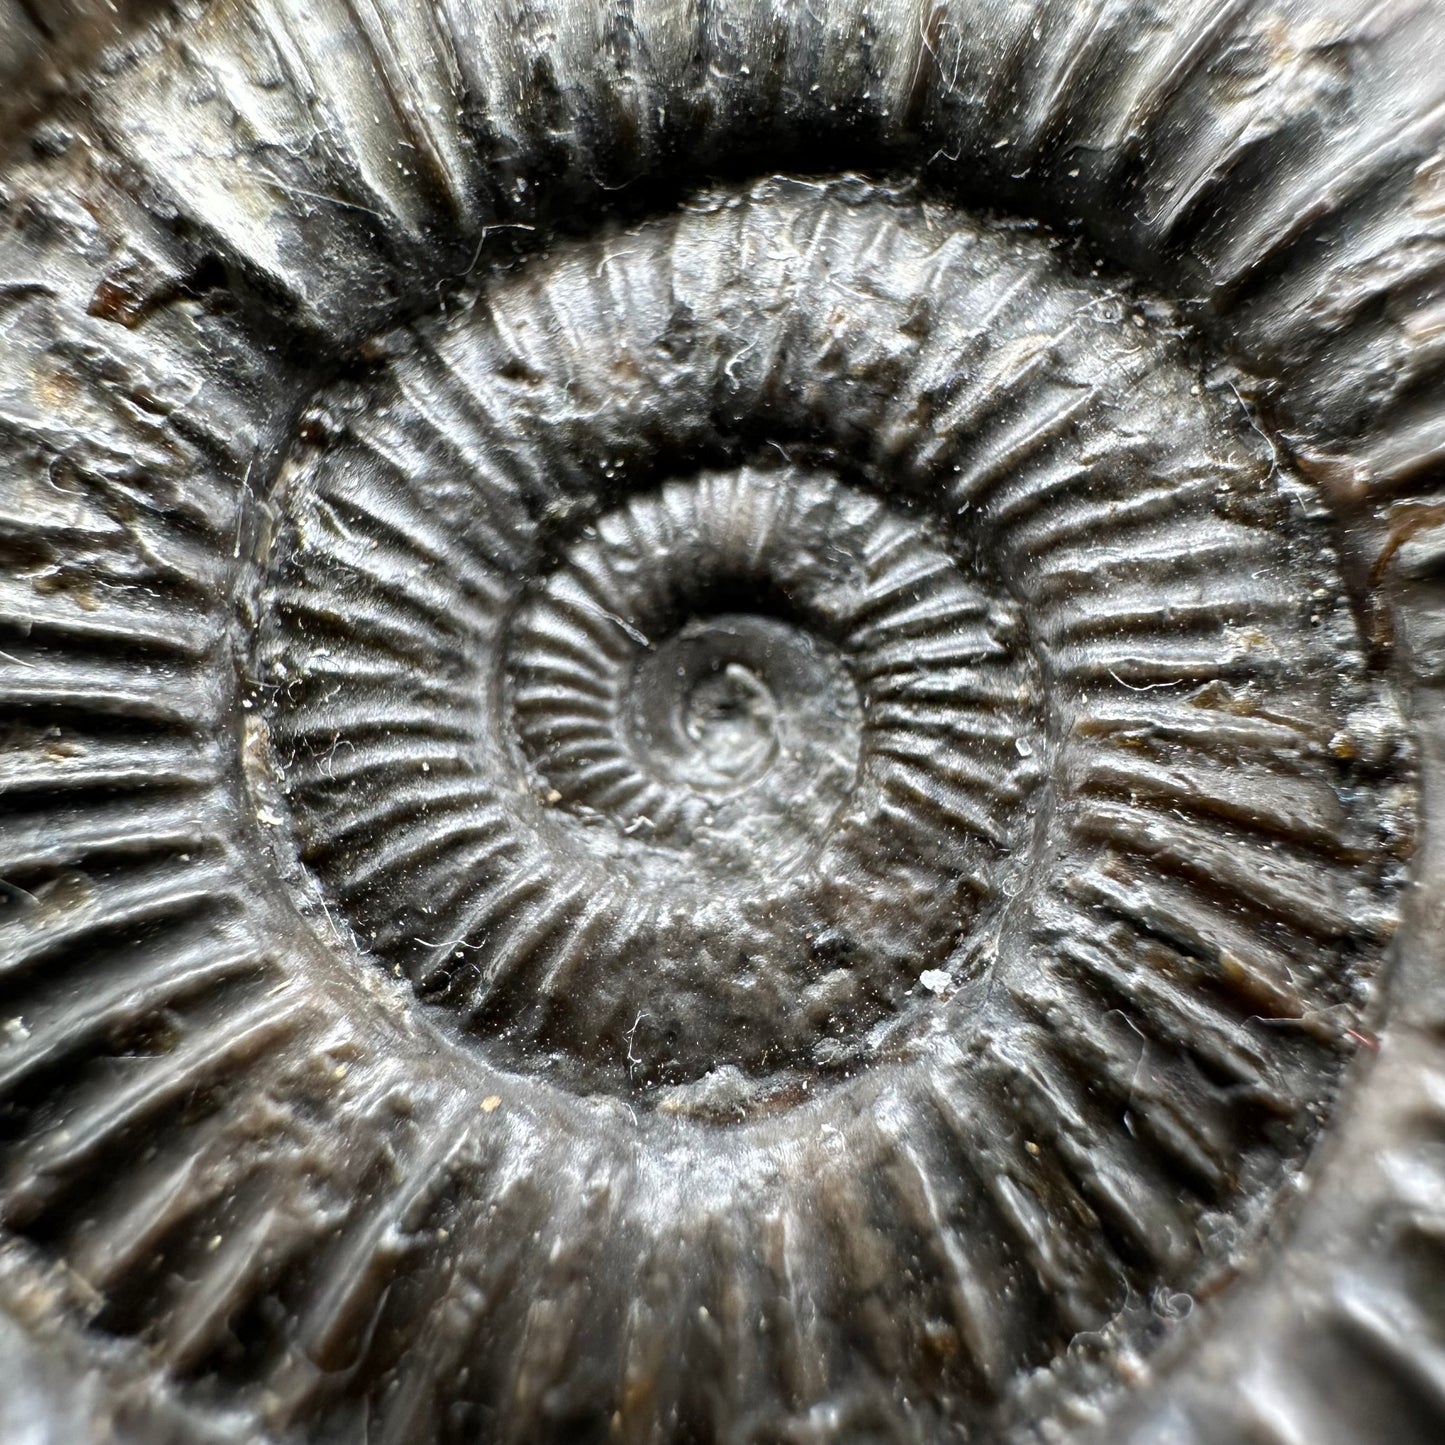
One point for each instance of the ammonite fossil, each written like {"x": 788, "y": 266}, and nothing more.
{"x": 720, "y": 721}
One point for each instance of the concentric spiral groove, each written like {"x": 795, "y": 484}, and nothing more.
{"x": 666, "y": 808}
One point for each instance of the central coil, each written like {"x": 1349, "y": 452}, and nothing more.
{"x": 715, "y": 660}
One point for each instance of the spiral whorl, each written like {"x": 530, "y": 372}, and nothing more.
{"x": 666, "y": 806}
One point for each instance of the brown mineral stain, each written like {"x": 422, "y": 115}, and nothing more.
{"x": 1343, "y": 481}
{"x": 636, "y": 1396}
{"x": 1407, "y": 520}
{"x": 118, "y": 299}
{"x": 70, "y": 893}
{"x": 81, "y": 590}
{"x": 56, "y": 389}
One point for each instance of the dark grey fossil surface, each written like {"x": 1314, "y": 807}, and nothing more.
{"x": 720, "y": 722}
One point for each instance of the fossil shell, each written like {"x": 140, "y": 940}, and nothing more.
{"x": 712, "y": 721}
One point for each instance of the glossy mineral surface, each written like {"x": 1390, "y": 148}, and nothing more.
{"x": 699, "y": 726}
